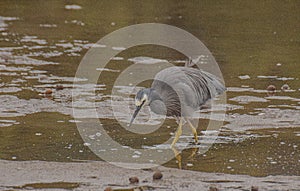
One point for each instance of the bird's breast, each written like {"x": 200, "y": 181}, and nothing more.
{"x": 158, "y": 107}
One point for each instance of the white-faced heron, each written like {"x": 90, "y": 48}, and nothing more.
{"x": 179, "y": 92}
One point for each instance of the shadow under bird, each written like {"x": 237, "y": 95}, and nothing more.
{"x": 179, "y": 92}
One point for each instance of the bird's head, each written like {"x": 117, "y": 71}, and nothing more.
{"x": 141, "y": 99}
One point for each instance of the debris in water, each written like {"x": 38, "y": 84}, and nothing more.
{"x": 285, "y": 87}
{"x": 271, "y": 88}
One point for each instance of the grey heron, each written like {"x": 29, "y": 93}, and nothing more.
{"x": 179, "y": 92}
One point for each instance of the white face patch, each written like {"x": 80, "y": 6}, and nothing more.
{"x": 139, "y": 102}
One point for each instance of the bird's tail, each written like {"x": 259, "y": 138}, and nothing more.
{"x": 215, "y": 82}
{"x": 216, "y": 86}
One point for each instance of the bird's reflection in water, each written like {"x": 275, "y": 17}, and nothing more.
{"x": 178, "y": 155}
{"x": 193, "y": 146}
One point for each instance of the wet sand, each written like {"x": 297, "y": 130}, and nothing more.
{"x": 97, "y": 175}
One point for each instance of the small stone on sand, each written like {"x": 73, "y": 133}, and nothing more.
{"x": 48, "y": 92}
{"x": 157, "y": 175}
{"x": 59, "y": 87}
{"x": 134, "y": 180}
{"x": 213, "y": 188}
{"x": 108, "y": 189}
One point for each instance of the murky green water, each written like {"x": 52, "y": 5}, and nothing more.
{"x": 255, "y": 43}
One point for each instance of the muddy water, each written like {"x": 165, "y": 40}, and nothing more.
{"x": 255, "y": 44}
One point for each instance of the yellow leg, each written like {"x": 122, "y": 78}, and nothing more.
{"x": 178, "y": 132}
{"x": 194, "y": 131}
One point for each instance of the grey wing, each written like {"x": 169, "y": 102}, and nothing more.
{"x": 204, "y": 85}
{"x": 193, "y": 86}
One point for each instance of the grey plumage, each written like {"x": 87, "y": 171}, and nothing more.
{"x": 179, "y": 92}
{"x": 183, "y": 90}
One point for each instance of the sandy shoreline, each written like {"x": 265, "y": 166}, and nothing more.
{"x": 16, "y": 175}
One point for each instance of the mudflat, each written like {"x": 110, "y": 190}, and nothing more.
{"x": 98, "y": 175}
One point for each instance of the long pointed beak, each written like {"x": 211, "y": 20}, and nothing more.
{"x": 137, "y": 109}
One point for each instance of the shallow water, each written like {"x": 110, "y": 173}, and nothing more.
{"x": 255, "y": 44}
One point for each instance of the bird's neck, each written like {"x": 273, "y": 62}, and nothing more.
{"x": 156, "y": 103}
{"x": 153, "y": 95}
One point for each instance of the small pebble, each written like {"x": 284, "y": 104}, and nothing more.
{"x": 108, "y": 189}
{"x": 254, "y": 188}
{"x": 134, "y": 180}
{"x": 213, "y": 188}
{"x": 271, "y": 88}
{"x": 59, "y": 87}
{"x": 157, "y": 175}
{"x": 48, "y": 92}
